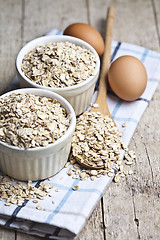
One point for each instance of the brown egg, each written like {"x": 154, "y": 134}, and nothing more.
{"x": 127, "y": 77}
{"x": 87, "y": 33}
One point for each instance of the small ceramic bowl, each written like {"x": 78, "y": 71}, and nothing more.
{"x": 79, "y": 95}
{"x": 40, "y": 162}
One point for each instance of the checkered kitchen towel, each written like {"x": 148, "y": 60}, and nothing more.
{"x": 66, "y": 217}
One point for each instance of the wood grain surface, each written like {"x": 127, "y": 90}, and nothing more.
{"x": 129, "y": 209}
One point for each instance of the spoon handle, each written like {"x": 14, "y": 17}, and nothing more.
{"x": 102, "y": 92}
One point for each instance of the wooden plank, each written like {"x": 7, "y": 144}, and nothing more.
{"x": 146, "y": 183}
{"x": 10, "y": 39}
{"x": 125, "y": 203}
{"x": 131, "y": 21}
{"x": 58, "y": 14}
{"x": 119, "y": 212}
{"x": 41, "y": 16}
{"x": 156, "y": 8}
{"x": 6, "y": 234}
{"x": 135, "y": 23}
{"x": 98, "y": 13}
{"x": 24, "y": 236}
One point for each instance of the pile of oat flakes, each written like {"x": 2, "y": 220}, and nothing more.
{"x": 17, "y": 192}
{"x": 59, "y": 64}
{"x": 29, "y": 121}
{"x": 97, "y": 142}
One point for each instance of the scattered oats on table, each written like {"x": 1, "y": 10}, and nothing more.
{"x": 29, "y": 121}
{"x": 58, "y": 64}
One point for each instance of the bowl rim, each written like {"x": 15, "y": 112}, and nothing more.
{"x": 65, "y": 104}
{"x": 56, "y": 38}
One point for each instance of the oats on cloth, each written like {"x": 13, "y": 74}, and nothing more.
{"x": 75, "y": 188}
{"x": 29, "y": 121}
{"x": 59, "y": 64}
{"x": 16, "y": 192}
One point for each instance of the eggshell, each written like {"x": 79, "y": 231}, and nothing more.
{"x": 87, "y": 33}
{"x": 127, "y": 77}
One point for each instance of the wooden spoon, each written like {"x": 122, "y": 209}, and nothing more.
{"x": 101, "y": 100}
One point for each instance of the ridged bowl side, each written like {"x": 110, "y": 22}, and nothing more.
{"x": 34, "y": 168}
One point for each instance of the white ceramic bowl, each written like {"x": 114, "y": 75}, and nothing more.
{"x": 79, "y": 95}
{"x": 40, "y": 162}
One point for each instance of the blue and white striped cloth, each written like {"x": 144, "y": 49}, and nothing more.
{"x": 66, "y": 217}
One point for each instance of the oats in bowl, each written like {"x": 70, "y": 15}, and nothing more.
{"x": 59, "y": 64}
{"x": 36, "y": 128}
{"x": 63, "y": 64}
{"x": 29, "y": 121}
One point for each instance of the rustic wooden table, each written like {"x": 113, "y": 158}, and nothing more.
{"x": 130, "y": 208}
